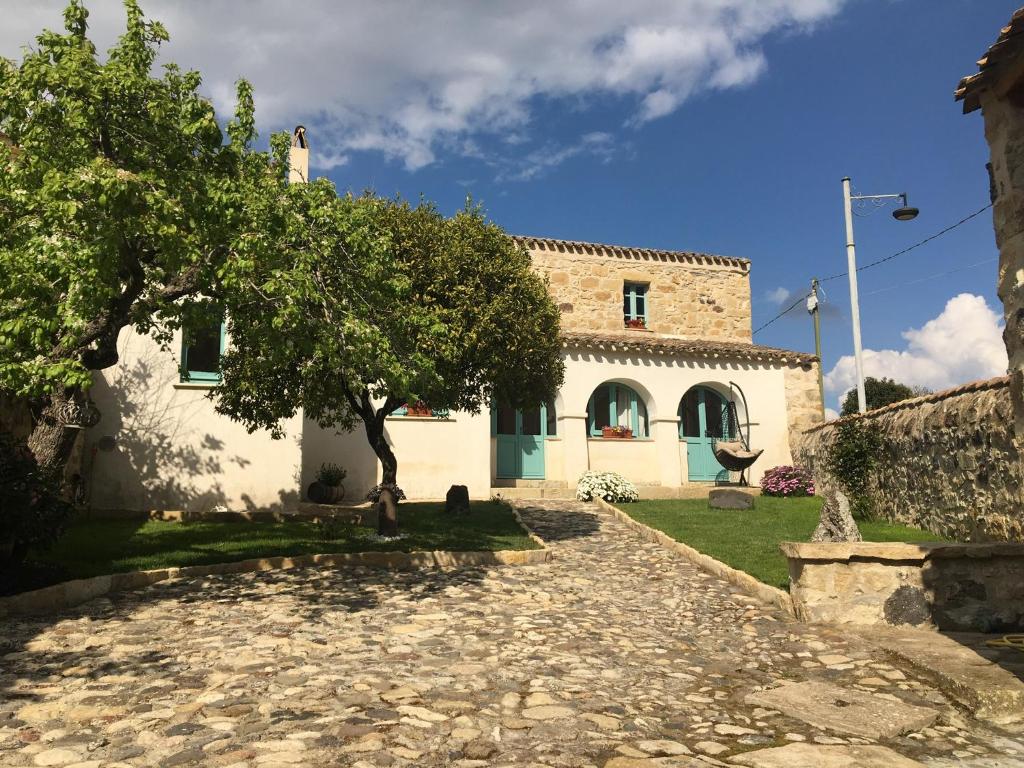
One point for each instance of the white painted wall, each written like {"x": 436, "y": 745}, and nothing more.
{"x": 173, "y": 451}
{"x": 661, "y": 381}
{"x": 433, "y": 455}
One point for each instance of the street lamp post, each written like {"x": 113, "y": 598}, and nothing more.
{"x": 903, "y": 213}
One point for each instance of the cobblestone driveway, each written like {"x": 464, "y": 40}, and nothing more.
{"x": 617, "y": 648}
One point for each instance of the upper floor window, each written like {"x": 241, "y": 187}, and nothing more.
{"x": 201, "y": 348}
{"x": 634, "y": 305}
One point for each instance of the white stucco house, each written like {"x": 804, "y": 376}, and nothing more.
{"x": 655, "y": 344}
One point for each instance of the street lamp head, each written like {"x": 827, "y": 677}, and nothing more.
{"x": 905, "y": 212}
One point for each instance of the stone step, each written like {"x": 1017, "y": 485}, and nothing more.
{"x": 984, "y": 680}
{"x": 690, "y": 491}
{"x": 521, "y": 483}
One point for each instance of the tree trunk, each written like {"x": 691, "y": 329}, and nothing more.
{"x": 51, "y": 441}
{"x": 837, "y": 524}
{"x": 387, "y": 513}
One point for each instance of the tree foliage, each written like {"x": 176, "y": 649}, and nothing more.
{"x": 365, "y": 303}
{"x": 879, "y": 393}
{"x": 119, "y": 198}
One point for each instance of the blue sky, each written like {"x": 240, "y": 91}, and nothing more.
{"x": 756, "y": 171}
{"x": 712, "y": 125}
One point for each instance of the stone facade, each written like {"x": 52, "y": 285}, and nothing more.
{"x": 949, "y": 463}
{"x": 690, "y": 296}
{"x": 958, "y": 587}
{"x": 804, "y": 408}
{"x": 998, "y": 90}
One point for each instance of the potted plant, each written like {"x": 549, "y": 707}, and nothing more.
{"x": 418, "y": 408}
{"x": 327, "y": 488}
{"x": 636, "y": 322}
{"x": 616, "y": 433}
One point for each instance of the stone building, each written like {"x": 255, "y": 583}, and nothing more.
{"x": 997, "y": 89}
{"x": 656, "y": 343}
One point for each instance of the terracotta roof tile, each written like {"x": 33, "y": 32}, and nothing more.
{"x": 640, "y": 341}
{"x": 1007, "y": 45}
{"x": 626, "y": 252}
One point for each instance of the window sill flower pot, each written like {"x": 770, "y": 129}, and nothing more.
{"x": 636, "y": 325}
{"x": 419, "y": 409}
{"x": 617, "y": 433}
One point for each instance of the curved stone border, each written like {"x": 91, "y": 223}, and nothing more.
{"x": 758, "y": 589}
{"x": 71, "y": 593}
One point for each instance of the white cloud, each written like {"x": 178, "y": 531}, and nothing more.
{"x": 417, "y": 80}
{"x": 831, "y": 413}
{"x": 962, "y": 344}
{"x": 778, "y": 295}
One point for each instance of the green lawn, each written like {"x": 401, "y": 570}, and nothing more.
{"x": 96, "y": 547}
{"x": 749, "y": 540}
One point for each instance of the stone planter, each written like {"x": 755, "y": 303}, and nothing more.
{"x": 321, "y": 493}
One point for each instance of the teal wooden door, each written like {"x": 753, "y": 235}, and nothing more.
{"x": 520, "y": 442}
{"x": 702, "y": 417}
{"x": 531, "y": 444}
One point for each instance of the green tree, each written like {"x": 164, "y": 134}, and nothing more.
{"x": 120, "y": 199}
{"x": 878, "y": 393}
{"x": 366, "y": 303}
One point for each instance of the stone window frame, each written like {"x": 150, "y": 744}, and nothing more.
{"x": 632, "y": 290}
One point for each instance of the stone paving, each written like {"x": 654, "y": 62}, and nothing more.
{"x": 617, "y": 652}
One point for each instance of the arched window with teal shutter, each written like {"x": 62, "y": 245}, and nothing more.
{"x": 614, "y": 405}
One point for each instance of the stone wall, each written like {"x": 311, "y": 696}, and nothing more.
{"x": 1004, "y": 131}
{"x": 698, "y": 298}
{"x": 958, "y": 587}
{"x": 803, "y": 401}
{"x": 949, "y": 463}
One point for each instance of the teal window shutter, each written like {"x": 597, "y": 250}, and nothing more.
{"x": 201, "y": 350}
{"x": 634, "y": 304}
{"x": 603, "y": 409}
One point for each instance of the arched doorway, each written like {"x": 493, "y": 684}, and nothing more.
{"x": 703, "y": 416}
{"x": 520, "y": 436}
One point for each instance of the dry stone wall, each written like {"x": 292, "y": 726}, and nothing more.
{"x": 949, "y": 462}
{"x": 803, "y": 401}
{"x": 692, "y": 300}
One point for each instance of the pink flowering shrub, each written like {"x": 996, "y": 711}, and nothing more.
{"x": 787, "y": 481}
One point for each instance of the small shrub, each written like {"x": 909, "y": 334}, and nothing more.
{"x": 331, "y": 474}
{"x": 850, "y": 459}
{"x": 374, "y": 493}
{"x": 610, "y": 486}
{"x": 787, "y": 481}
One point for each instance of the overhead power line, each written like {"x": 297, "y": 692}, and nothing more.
{"x": 792, "y": 306}
{"x": 908, "y": 249}
{"x": 918, "y": 244}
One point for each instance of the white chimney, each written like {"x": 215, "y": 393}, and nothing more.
{"x": 298, "y": 157}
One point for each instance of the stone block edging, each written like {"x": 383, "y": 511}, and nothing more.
{"x": 758, "y": 589}
{"x": 71, "y": 593}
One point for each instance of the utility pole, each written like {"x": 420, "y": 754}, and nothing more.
{"x": 851, "y": 266}
{"x": 813, "y": 308}
{"x": 904, "y": 213}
